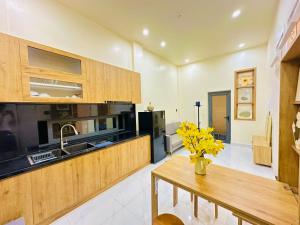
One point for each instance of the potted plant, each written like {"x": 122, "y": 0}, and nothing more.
{"x": 199, "y": 142}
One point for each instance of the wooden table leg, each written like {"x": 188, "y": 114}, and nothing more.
{"x": 154, "y": 197}
{"x": 240, "y": 221}
{"x": 175, "y": 195}
{"x": 192, "y": 196}
{"x": 216, "y": 211}
{"x": 195, "y": 205}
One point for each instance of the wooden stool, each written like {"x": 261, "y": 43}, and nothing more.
{"x": 167, "y": 219}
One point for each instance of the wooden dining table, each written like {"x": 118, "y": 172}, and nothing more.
{"x": 255, "y": 199}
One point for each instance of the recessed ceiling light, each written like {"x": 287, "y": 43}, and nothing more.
{"x": 241, "y": 45}
{"x": 236, "y": 13}
{"x": 163, "y": 44}
{"x": 187, "y": 60}
{"x": 146, "y": 32}
{"x": 117, "y": 49}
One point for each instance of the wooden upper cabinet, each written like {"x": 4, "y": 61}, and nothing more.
{"x": 42, "y": 59}
{"x": 136, "y": 88}
{"x": 122, "y": 85}
{"x": 111, "y": 83}
{"x": 95, "y": 81}
{"x": 117, "y": 84}
{"x": 49, "y": 88}
{"x": 30, "y": 72}
{"x": 10, "y": 70}
{"x": 15, "y": 199}
{"x": 52, "y": 190}
{"x": 52, "y": 75}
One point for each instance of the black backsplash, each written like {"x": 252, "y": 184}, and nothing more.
{"x": 27, "y": 127}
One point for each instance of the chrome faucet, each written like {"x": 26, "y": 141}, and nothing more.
{"x": 61, "y": 134}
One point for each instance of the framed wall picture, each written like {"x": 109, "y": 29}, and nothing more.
{"x": 245, "y": 94}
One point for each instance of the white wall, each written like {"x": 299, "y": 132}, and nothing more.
{"x": 51, "y": 23}
{"x": 283, "y": 11}
{"x": 159, "y": 83}
{"x": 217, "y": 74}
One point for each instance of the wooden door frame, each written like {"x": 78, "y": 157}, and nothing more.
{"x": 228, "y": 110}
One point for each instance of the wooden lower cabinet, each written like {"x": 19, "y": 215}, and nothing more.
{"x": 109, "y": 171}
{"x": 52, "y": 190}
{"x": 140, "y": 151}
{"x": 15, "y": 199}
{"x": 86, "y": 176}
{"x": 45, "y": 194}
{"x": 145, "y": 150}
{"x": 125, "y": 161}
{"x": 120, "y": 160}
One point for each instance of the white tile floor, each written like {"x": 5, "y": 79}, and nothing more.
{"x": 129, "y": 202}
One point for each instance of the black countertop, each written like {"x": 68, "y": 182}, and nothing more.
{"x": 22, "y": 165}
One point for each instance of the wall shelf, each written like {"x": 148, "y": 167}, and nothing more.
{"x": 54, "y": 86}
{"x": 245, "y": 94}
{"x": 245, "y": 103}
{"x": 248, "y": 86}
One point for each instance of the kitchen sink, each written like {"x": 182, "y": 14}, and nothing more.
{"x": 77, "y": 148}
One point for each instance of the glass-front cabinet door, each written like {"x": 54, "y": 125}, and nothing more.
{"x": 52, "y": 75}
{"x": 47, "y": 88}
{"x": 42, "y": 59}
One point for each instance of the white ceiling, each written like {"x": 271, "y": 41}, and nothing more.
{"x": 204, "y": 29}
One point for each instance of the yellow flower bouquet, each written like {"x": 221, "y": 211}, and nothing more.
{"x": 199, "y": 143}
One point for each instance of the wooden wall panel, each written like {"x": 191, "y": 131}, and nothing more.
{"x": 288, "y": 159}
{"x": 10, "y": 70}
{"x": 15, "y": 199}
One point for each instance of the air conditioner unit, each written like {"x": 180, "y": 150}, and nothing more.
{"x": 280, "y": 42}
{"x": 295, "y": 13}
{"x": 275, "y": 59}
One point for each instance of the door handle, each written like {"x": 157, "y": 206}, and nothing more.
{"x": 226, "y": 117}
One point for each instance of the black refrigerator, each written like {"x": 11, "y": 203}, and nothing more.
{"x": 154, "y": 124}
